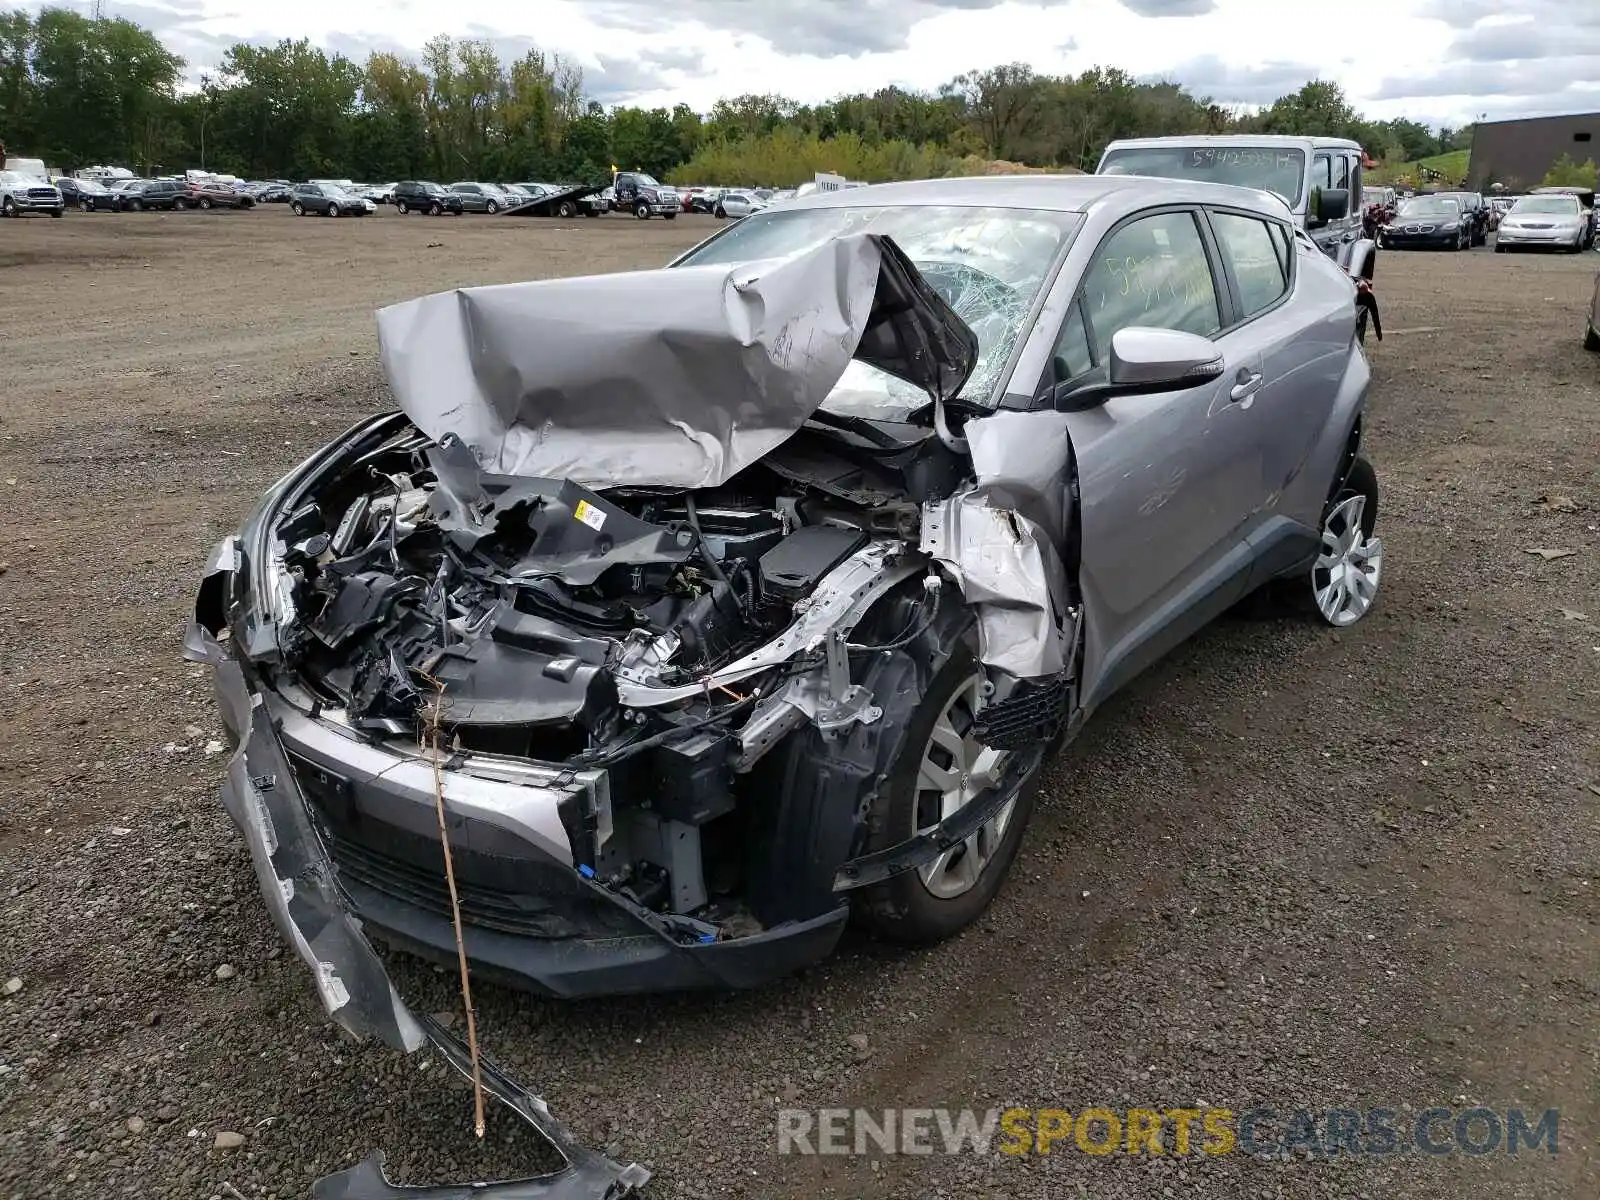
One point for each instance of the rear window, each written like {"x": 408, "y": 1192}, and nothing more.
{"x": 1279, "y": 169}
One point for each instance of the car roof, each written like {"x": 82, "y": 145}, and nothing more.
{"x": 1058, "y": 193}
{"x": 1237, "y": 139}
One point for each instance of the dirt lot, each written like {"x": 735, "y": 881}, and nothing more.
{"x": 1288, "y": 868}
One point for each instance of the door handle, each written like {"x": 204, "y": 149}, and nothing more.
{"x": 1248, "y": 383}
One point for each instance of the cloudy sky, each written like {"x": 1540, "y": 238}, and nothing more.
{"x": 1434, "y": 60}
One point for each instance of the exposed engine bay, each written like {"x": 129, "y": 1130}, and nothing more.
{"x": 617, "y": 630}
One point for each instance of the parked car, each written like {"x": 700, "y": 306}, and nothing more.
{"x": 21, "y": 194}
{"x": 328, "y": 200}
{"x": 1586, "y": 201}
{"x": 87, "y": 195}
{"x": 206, "y": 195}
{"x": 644, "y": 196}
{"x": 480, "y": 197}
{"x": 1549, "y": 221}
{"x": 713, "y": 649}
{"x": 1474, "y": 214}
{"x": 1319, "y": 178}
{"x": 167, "y": 195}
{"x": 272, "y": 193}
{"x": 413, "y": 195}
{"x": 737, "y": 204}
{"x": 1428, "y": 222}
{"x": 701, "y": 199}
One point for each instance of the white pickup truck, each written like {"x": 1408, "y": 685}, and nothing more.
{"x": 1319, "y": 179}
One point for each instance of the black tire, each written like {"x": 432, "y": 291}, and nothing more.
{"x": 491, "y": 208}
{"x": 642, "y": 211}
{"x": 297, "y": 208}
{"x": 1363, "y": 318}
{"x": 135, "y": 205}
{"x": 401, "y": 207}
{"x": 58, "y": 212}
{"x": 816, "y": 789}
{"x": 669, "y": 216}
{"x": 591, "y": 212}
{"x": 566, "y": 210}
{"x": 720, "y": 213}
{"x": 179, "y": 205}
{"x": 1591, "y": 339}
{"x": 205, "y": 202}
{"x": 332, "y": 211}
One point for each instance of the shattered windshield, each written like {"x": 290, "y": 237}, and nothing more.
{"x": 1279, "y": 169}
{"x": 987, "y": 263}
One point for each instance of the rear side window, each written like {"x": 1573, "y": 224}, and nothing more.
{"x": 1257, "y": 262}
{"x": 1155, "y": 272}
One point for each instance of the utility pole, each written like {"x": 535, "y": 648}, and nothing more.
{"x": 98, "y": 10}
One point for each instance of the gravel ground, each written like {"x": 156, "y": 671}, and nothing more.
{"x": 1287, "y": 868}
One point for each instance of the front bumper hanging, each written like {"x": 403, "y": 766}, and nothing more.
{"x": 298, "y": 883}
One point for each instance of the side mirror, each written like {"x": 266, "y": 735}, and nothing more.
{"x": 1333, "y": 204}
{"x": 1145, "y": 361}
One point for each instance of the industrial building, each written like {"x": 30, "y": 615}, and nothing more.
{"x": 1518, "y": 153}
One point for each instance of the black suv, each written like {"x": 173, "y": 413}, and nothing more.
{"x": 166, "y": 194}
{"x": 1474, "y": 213}
{"x": 417, "y": 196}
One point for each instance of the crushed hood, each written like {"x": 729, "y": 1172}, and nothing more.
{"x": 677, "y": 377}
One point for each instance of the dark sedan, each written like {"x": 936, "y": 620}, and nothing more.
{"x": 1427, "y": 223}
{"x": 87, "y": 195}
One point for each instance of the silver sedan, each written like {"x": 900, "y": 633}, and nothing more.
{"x": 1551, "y": 222}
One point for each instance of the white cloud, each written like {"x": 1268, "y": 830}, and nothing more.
{"x": 1435, "y": 60}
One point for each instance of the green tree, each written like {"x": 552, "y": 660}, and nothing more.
{"x": 1566, "y": 173}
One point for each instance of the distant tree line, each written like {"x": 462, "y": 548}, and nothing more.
{"x": 76, "y": 91}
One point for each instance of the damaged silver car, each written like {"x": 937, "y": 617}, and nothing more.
{"x": 758, "y": 606}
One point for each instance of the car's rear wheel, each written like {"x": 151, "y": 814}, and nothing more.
{"x": 8, "y": 207}
{"x": 179, "y": 205}
{"x": 1591, "y": 339}
{"x": 205, "y": 202}
{"x": 720, "y": 213}
{"x": 135, "y": 205}
{"x": 401, "y": 207}
{"x": 567, "y": 209}
{"x": 1349, "y": 566}
{"x": 491, "y": 208}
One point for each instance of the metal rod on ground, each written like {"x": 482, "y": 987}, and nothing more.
{"x": 432, "y": 730}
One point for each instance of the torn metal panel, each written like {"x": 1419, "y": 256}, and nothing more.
{"x": 1009, "y": 571}
{"x": 696, "y": 372}
{"x": 587, "y": 1175}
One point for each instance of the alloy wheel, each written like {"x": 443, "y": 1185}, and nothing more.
{"x": 955, "y": 771}
{"x": 1345, "y": 577}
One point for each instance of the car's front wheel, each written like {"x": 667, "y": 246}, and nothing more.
{"x": 331, "y": 211}
{"x": 297, "y": 209}
{"x": 940, "y": 769}
{"x": 1349, "y": 564}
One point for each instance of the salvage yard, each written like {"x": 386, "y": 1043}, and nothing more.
{"x": 1288, "y": 868}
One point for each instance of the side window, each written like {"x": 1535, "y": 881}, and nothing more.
{"x": 1321, "y": 171}
{"x": 1340, "y": 165}
{"x": 1283, "y": 243}
{"x": 1152, "y": 272}
{"x": 1253, "y": 254}
{"x": 1355, "y": 184}
{"x": 1072, "y": 356}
